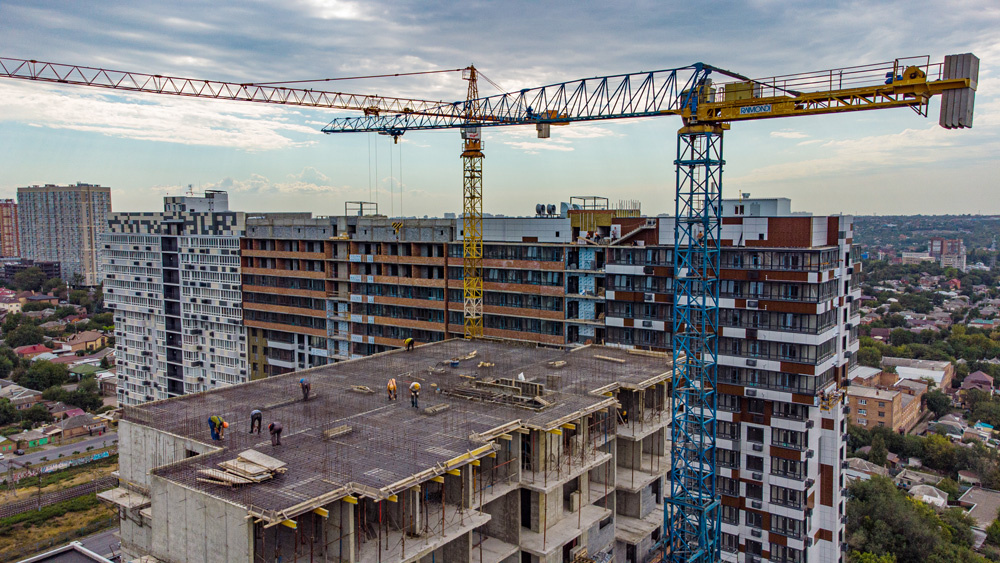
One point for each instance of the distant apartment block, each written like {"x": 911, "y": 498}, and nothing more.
{"x": 10, "y": 236}
{"x": 50, "y": 269}
{"x": 172, "y": 279}
{"x": 64, "y": 224}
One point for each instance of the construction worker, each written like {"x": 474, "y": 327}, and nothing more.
{"x": 306, "y": 387}
{"x": 275, "y": 429}
{"x": 408, "y": 343}
{"x": 414, "y": 394}
{"x": 217, "y": 426}
{"x": 391, "y": 388}
{"x": 256, "y": 418}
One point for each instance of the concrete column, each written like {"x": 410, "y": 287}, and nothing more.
{"x": 340, "y": 523}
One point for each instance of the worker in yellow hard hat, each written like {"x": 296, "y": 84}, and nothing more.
{"x": 409, "y": 344}
{"x": 391, "y": 388}
{"x": 414, "y": 394}
{"x": 217, "y": 426}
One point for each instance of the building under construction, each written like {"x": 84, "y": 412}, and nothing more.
{"x": 515, "y": 453}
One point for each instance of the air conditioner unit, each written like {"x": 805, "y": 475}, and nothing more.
{"x": 758, "y": 447}
{"x": 850, "y": 299}
{"x": 752, "y": 363}
{"x": 850, "y": 270}
{"x": 756, "y": 504}
{"x": 757, "y": 476}
{"x": 810, "y": 454}
{"x": 647, "y": 324}
{"x": 751, "y": 392}
{"x": 810, "y": 483}
{"x": 848, "y": 326}
{"x": 648, "y": 297}
{"x": 845, "y": 465}
{"x": 751, "y": 303}
{"x": 810, "y": 423}
{"x": 756, "y": 533}
{"x": 648, "y": 270}
{"x": 848, "y": 354}
{"x": 809, "y": 542}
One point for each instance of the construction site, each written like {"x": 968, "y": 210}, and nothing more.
{"x": 515, "y": 453}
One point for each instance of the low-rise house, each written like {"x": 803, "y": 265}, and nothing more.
{"x": 6, "y": 445}
{"x": 21, "y": 397}
{"x": 858, "y": 468}
{"x": 107, "y": 381}
{"x": 967, "y": 477}
{"x": 79, "y": 371}
{"x": 26, "y": 297}
{"x": 58, "y": 409}
{"x": 908, "y": 478}
{"x": 79, "y": 425}
{"x": 29, "y": 439}
{"x": 982, "y": 505}
{"x": 89, "y": 340}
{"x": 32, "y": 350}
{"x": 10, "y": 304}
{"x": 950, "y": 425}
{"x": 53, "y": 326}
{"x": 930, "y": 494}
{"x": 978, "y": 380}
{"x": 881, "y": 334}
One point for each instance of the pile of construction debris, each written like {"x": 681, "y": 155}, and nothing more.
{"x": 249, "y": 467}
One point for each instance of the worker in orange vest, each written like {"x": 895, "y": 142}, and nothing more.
{"x": 391, "y": 388}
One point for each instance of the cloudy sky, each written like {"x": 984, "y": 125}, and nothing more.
{"x": 275, "y": 158}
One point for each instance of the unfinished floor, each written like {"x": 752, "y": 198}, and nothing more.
{"x": 490, "y": 427}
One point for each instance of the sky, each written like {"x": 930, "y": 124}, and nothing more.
{"x": 274, "y": 158}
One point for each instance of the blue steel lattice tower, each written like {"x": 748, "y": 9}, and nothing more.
{"x": 692, "y": 510}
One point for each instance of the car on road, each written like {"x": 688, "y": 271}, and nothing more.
{"x": 19, "y": 452}
{"x": 1, "y": 455}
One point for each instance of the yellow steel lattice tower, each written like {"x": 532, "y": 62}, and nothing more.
{"x": 472, "y": 212}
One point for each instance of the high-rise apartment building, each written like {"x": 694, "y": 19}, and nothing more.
{"x": 789, "y": 302}
{"x": 64, "y": 224}
{"x": 173, "y": 281}
{"x": 10, "y": 236}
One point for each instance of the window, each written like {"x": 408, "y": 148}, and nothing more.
{"x": 862, "y": 401}
{"x": 730, "y": 515}
{"x": 755, "y": 491}
{"x": 730, "y": 542}
{"x": 785, "y": 554}
{"x": 727, "y": 486}
{"x": 787, "y": 526}
{"x": 863, "y": 412}
{"x": 788, "y": 438}
{"x": 755, "y": 434}
{"x": 729, "y": 403}
{"x": 788, "y": 468}
{"x": 880, "y": 423}
{"x": 881, "y": 414}
{"x": 755, "y": 463}
{"x": 755, "y": 406}
{"x": 727, "y": 458}
{"x": 862, "y": 422}
{"x": 881, "y": 405}
{"x": 754, "y": 520}
{"x": 783, "y": 496}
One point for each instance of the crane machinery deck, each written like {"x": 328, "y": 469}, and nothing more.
{"x": 691, "y": 518}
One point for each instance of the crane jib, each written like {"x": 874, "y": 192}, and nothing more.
{"x": 752, "y": 110}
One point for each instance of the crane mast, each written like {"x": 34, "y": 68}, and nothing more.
{"x": 472, "y": 211}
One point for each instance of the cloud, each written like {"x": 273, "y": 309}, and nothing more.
{"x": 788, "y": 134}
{"x": 249, "y": 127}
{"x": 333, "y": 9}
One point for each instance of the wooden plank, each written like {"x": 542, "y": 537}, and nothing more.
{"x": 267, "y": 461}
{"x": 337, "y": 431}
{"x": 609, "y": 359}
{"x": 224, "y": 476}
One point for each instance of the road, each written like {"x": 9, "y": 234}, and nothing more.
{"x": 97, "y": 442}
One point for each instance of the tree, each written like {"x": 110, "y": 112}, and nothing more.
{"x": 949, "y": 486}
{"x": 24, "y": 335}
{"x": 29, "y": 279}
{"x": 44, "y": 374}
{"x": 878, "y": 454}
{"x": 959, "y": 524}
{"x": 8, "y": 414}
{"x": 105, "y": 363}
{"x": 883, "y": 521}
{"x": 993, "y": 533}
{"x": 79, "y": 297}
{"x": 938, "y": 403}
{"x": 869, "y": 557}
{"x": 870, "y": 356}
{"x": 36, "y": 415}
{"x": 53, "y": 283}
{"x": 940, "y": 452}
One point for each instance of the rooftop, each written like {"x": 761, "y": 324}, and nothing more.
{"x": 983, "y": 505}
{"x": 389, "y": 444}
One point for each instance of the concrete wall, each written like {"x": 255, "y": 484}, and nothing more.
{"x": 142, "y": 448}
{"x": 194, "y": 527}
{"x": 505, "y": 518}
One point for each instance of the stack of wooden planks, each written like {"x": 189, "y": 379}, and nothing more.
{"x": 249, "y": 467}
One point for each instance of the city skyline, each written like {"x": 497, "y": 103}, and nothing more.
{"x": 267, "y": 157}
